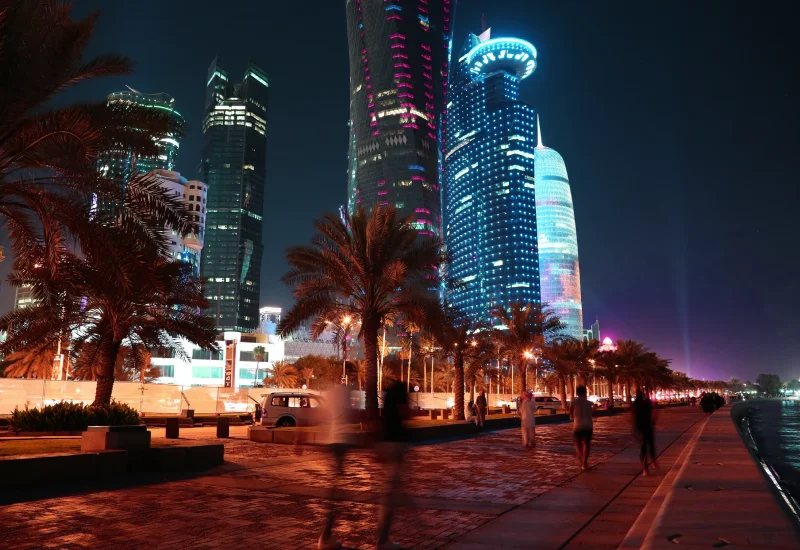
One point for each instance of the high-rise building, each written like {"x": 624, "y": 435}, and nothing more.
{"x": 234, "y": 168}
{"x": 119, "y": 164}
{"x": 489, "y": 193}
{"x": 558, "y": 241}
{"x": 23, "y": 296}
{"x": 399, "y": 52}
{"x": 193, "y": 194}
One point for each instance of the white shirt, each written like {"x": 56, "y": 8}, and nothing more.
{"x": 582, "y": 414}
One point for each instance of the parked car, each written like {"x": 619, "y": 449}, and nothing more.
{"x": 289, "y": 409}
{"x": 547, "y": 402}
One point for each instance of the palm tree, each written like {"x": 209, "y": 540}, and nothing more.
{"x": 259, "y": 354}
{"x": 371, "y": 267}
{"x": 33, "y": 362}
{"x": 132, "y": 365}
{"x": 461, "y": 339}
{"x": 608, "y": 363}
{"x": 48, "y": 154}
{"x": 107, "y": 298}
{"x": 361, "y": 372}
{"x": 559, "y": 355}
{"x": 631, "y": 359}
{"x": 521, "y": 328}
{"x": 307, "y": 375}
{"x": 282, "y": 375}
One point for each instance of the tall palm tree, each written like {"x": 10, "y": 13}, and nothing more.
{"x": 371, "y": 267}
{"x": 521, "y": 328}
{"x": 282, "y": 375}
{"x": 631, "y": 356}
{"x": 259, "y": 354}
{"x": 559, "y": 356}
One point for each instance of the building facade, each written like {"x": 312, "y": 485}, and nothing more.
{"x": 234, "y": 167}
{"x": 23, "y": 296}
{"x": 558, "y": 240}
{"x": 120, "y": 164}
{"x": 193, "y": 194}
{"x": 489, "y": 193}
{"x": 399, "y": 73}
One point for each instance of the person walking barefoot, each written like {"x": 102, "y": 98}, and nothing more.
{"x": 581, "y": 412}
{"x": 527, "y": 413}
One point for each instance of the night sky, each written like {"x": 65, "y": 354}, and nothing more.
{"x": 678, "y": 124}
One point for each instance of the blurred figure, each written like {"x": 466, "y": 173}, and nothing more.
{"x": 581, "y": 411}
{"x": 392, "y": 446}
{"x": 339, "y": 415}
{"x": 527, "y": 412}
{"x": 469, "y": 413}
{"x": 644, "y": 426}
{"x": 257, "y": 414}
{"x": 481, "y": 405}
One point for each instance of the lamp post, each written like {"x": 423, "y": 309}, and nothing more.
{"x": 528, "y": 356}
{"x": 346, "y": 322}
{"x": 594, "y": 377}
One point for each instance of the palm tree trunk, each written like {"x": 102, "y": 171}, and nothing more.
{"x": 458, "y": 389}
{"x": 611, "y": 391}
{"x": 562, "y": 388}
{"x": 105, "y": 380}
{"x": 370, "y": 329}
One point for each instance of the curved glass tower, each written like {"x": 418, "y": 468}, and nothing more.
{"x": 399, "y": 51}
{"x": 490, "y": 203}
{"x": 558, "y": 240}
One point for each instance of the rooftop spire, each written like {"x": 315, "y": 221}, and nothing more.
{"x": 539, "y": 144}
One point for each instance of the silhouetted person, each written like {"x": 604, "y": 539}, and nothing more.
{"x": 393, "y": 444}
{"x": 527, "y": 412}
{"x": 580, "y": 411}
{"x": 257, "y": 414}
{"x": 338, "y": 417}
{"x": 469, "y": 413}
{"x": 481, "y": 406}
{"x": 644, "y": 425}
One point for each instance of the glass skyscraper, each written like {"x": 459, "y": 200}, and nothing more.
{"x": 120, "y": 164}
{"x": 558, "y": 241}
{"x": 234, "y": 168}
{"x": 489, "y": 192}
{"x": 399, "y": 52}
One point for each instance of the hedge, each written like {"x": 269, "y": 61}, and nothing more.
{"x": 72, "y": 417}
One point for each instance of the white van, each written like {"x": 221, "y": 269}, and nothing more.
{"x": 289, "y": 409}
{"x": 547, "y": 402}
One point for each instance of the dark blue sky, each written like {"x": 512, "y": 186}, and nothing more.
{"x": 677, "y": 121}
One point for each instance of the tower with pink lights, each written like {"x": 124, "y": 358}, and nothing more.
{"x": 399, "y": 52}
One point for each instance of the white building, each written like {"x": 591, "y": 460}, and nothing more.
{"x": 204, "y": 368}
{"x": 194, "y": 195}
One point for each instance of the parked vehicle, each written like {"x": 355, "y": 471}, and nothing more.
{"x": 547, "y": 402}
{"x": 289, "y": 409}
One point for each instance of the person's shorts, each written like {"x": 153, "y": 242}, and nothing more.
{"x": 583, "y": 435}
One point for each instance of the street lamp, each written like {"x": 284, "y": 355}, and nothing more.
{"x": 594, "y": 376}
{"x": 346, "y": 322}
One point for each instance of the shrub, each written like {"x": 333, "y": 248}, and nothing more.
{"x": 72, "y": 417}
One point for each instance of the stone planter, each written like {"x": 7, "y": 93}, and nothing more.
{"x": 130, "y": 438}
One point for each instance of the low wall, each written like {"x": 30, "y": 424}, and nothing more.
{"x": 720, "y": 496}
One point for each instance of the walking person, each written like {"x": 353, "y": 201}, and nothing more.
{"x": 338, "y": 417}
{"x": 481, "y": 405}
{"x": 393, "y": 444}
{"x": 527, "y": 411}
{"x": 469, "y": 413}
{"x": 644, "y": 426}
{"x": 581, "y": 411}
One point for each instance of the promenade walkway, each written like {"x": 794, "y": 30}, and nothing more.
{"x": 482, "y": 492}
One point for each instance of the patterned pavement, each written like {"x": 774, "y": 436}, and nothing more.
{"x": 273, "y": 496}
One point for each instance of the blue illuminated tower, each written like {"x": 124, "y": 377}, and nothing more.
{"x": 558, "y": 241}
{"x": 489, "y": 198}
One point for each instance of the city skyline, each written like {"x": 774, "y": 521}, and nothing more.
{"x": 649, "y": 136}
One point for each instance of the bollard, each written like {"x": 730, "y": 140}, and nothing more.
{"x": 445, "y": 414}
{"x": 506, "y": 409}
{"x": 173, "y": 428}
{"x": 223, "y": 426}
{"x": 433, "y": 414}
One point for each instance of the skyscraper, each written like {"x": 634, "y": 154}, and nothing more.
{"x": 234, "y": 167}
{"x": 193, "y": 195}
{"x": 558, "y": 241}
{"x": 120, "y": 164}
{"x": 399, "y": 51}
{"x": 489, "y": 194}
